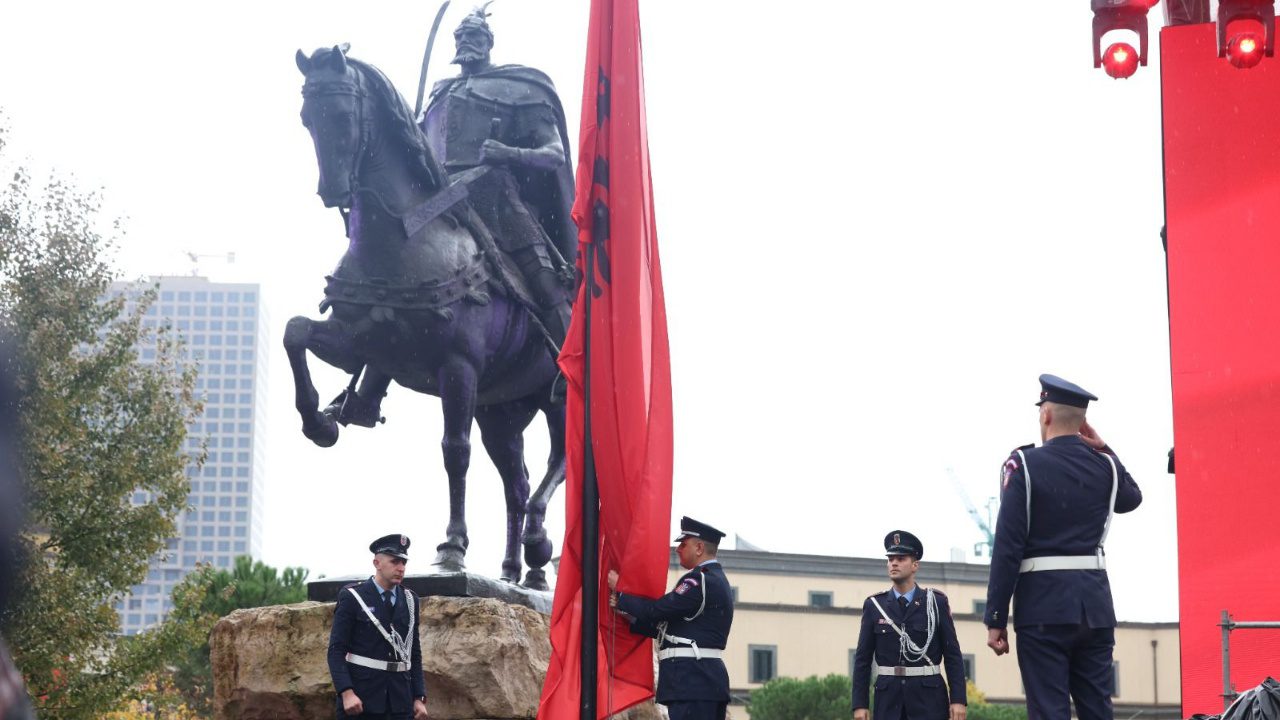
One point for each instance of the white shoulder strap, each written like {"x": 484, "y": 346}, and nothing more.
{"x": 1111, "y": 506}
{"x": 885, "y": 615}
{"x": 1026, "y": 474}
{"x": 372, "y": 618}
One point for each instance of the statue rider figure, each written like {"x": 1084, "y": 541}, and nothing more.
{"x": 509, "y": 118}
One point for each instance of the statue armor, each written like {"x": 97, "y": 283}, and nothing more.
{"x": 505, "y": 106}
{"x": 453, "y": 121}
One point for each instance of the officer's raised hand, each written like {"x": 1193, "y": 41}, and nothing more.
{"x": 1090, "y": 437}
{"x": 612, "y": 579}
{"x": 998, "y": 640}
{"x": 351, "y": 704}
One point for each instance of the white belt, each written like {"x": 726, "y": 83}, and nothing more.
{"x": 1063, "y": 562}
{"x": 386, "y": 665}
{"x": 693, "y": 652}
{"x": 900, "y": 671}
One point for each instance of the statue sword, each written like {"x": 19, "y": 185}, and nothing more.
{"x": 426, "y": 58}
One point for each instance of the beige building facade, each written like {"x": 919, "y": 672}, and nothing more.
{"x": 799, "y": 615}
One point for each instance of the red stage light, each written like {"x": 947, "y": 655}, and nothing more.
{"x": 1244, "y": 50}
{"x": 1120, "y": 60}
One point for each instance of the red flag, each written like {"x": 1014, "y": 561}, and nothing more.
{"x": 630, "y": 377}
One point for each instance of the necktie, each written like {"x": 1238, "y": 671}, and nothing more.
{"x": 386, "y": 603}
{"x": 902, "y": 601}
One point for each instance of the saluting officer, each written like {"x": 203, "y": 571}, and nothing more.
{"x": 1056, "y": 505}
{"x": 691, "y": 624}
{"x": 375, "y": 657}
{"x": 909, "y": 631}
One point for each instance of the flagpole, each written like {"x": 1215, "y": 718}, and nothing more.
{"x": 590, "y": 514}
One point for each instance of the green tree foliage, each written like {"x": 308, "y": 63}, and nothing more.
{"x": 250, "y": 584}
{"x": 813, "y": 698}
{"x": 96, "y": 425}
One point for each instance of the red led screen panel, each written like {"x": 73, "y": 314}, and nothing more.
{"x": 1222, "y": 193}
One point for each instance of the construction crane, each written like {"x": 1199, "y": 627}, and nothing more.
{"x": 195, "y": 258}
{"x": 984, "y": 524}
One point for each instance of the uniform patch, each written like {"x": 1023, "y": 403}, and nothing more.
{"x": 1010, "y": 467}
{"x": 691, "y": 581}
{"x": 681, "y": 588}
{"x": 882, "y": 621}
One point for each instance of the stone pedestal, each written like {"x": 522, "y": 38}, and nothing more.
{"x": 483, "y": 658}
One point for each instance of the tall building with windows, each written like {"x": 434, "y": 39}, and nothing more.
{"x": 222, "y": 326}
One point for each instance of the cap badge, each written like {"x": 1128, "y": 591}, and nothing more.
{"x": 897, "y": 539}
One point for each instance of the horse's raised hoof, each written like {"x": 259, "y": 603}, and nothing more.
{"x": 536, "y": 579}
{"x": 537, "y": 550}
{"x": 449, "y": 558}
{"x": 322, "y": 430}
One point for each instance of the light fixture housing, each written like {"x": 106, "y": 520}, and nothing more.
{"x": 1261, "y": 11}
{"x": 1111, "y": 15}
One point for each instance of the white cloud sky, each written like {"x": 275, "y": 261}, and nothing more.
{"x": 877, "y": 228}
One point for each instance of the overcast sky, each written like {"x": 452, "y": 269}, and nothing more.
{"x": 878, "y": 226}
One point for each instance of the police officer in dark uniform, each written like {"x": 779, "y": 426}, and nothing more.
{"x": 375, "y": 657}
{"x": 909, "y": 631}
{"x": 1056, "y": 505}
{"x": 691, "y": 624}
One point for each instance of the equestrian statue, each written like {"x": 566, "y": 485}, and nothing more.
{"x": 456, "y": 279}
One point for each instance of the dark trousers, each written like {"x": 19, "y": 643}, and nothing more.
{"x": 696, "y": 710}
{"x": 1064, "y": 663}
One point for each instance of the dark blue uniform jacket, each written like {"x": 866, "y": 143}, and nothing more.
{"x": 379, "y": 691}
{"x": 923, "y": 697}
{"x": 1070, "y": 489}
{"x": 685, "y": 679}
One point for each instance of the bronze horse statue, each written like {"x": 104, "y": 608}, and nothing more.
{"x": 420, "y": 302}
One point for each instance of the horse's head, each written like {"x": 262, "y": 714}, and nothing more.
{"x": 335, "y": 111}
{"x": 351, "y": 109}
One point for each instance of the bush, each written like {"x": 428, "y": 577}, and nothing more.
{"x": 813, "y": 698}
